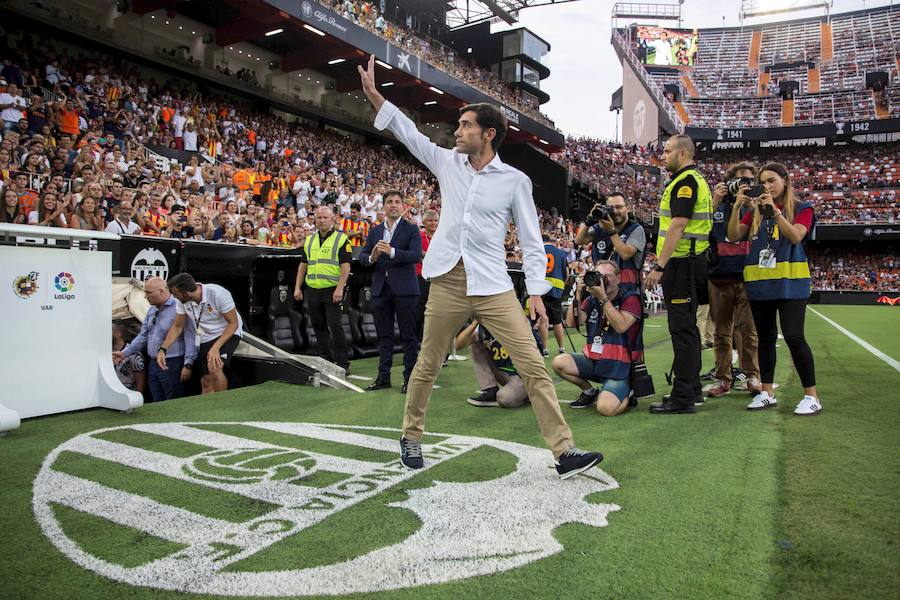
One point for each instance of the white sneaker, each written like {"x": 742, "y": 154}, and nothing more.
{"x": 809, "y": 406}
{"x": 762, "y": 401}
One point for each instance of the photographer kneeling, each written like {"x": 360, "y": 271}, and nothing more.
{"x": 613, "y": 322}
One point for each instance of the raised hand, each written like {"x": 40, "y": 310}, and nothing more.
{"x": 367, "y": 78}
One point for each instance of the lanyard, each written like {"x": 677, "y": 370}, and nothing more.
{"x": 198, "y": 315}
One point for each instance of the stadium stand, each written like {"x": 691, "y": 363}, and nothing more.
{"x": 734, "y": 65}
{"x": 120, "y": 114}
{"x": 860, "y": 270}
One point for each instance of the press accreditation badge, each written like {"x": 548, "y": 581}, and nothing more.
{"x": 597, "y": 345}
{"x": 767, "y": 259}
{"x": 197, "y": 336}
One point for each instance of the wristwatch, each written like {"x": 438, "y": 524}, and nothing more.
{"x": 603, "y": 302}
{"x": 659, "y": 268}
{"x": 162, "y": 349}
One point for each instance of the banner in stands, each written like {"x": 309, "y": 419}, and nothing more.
{"x": 640, "y": 118}
{"x": 874, "y": 232}
{"x": 840, "y": 129}
{"x": 57, "y": 312}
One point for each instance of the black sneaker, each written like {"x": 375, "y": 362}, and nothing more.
{"x": 574, "y": 461}
{"x": 632, "y": 401}
{"x": 411, "y": 454}
{"x": 585, "y": 400}
{"x": 546, "y": 353}
{"x": 485, "y": 398}
{"x": 710, "y": 375}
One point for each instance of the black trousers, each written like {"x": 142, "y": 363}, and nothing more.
{"x": 792, "y": 314}
{"x": 325, "y": 314}
{"x": 680, "y": 282}
{"x": 386, "y": 308}
{"x": 424, "y": 286}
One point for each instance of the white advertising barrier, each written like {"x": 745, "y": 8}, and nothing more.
{"x": 56, "y": 307}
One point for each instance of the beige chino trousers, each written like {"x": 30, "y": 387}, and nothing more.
{"x": 447, "y": 310}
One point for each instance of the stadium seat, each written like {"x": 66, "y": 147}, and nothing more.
{"x": 282, "y": 329}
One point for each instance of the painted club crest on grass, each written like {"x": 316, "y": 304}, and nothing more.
{"x": 273, "y": 480}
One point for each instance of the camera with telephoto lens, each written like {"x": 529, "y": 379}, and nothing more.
{"x": 734, "y": 186}
{"x": 593, "y": 278}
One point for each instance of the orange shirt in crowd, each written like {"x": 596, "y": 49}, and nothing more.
{"x": 241, "y": 179}
{"x": 69, "y": 121}
{"x": 257, "y": 180}
{"x": 28, "y": 201}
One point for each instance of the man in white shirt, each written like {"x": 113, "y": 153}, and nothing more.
{"x": 12, "y": 105}
{"x": 190, "y": 137}
{"x": 210, "y": 310}
{"x": 479, "y": 194}
{"x": 122, "y": 224}
{"x": 178, "y": 122}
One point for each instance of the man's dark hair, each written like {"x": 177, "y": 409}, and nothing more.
{"x": 489, "y": 116}
{"x": 741, "y": 166}
{"x": 619, "y": 194}
{"x": 355, "y": 206}
{"x": 183, "y": 282}
{"x": 545, "y": 237}
{"x": 389, "y": 193}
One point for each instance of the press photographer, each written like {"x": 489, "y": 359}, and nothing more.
{"x": 613, "y": 317}
{"x": 728, "y": 304}
{"x": 616, "y": 237}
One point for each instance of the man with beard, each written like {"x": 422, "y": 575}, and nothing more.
{"x": 617, "y": 238}
{"x": 685, "y": 222}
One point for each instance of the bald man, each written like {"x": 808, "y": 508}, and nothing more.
{"x": 180, "y": 355}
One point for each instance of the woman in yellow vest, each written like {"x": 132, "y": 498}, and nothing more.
{"x": 777, "y": 280}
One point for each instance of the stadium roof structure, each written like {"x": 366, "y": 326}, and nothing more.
{"x": 311, "y": 36}
{"x": 462, "y": 13}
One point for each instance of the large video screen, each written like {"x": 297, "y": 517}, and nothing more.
{"x": 661, "y": 46}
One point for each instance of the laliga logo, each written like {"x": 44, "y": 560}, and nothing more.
{"x": 638, "y": 116}
{"x": 64, "y": 282}
{"x": 465, "y": 529}
{"x": 149, "y": 262}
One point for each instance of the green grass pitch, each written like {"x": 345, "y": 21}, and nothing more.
{"x": 721, "y": 504}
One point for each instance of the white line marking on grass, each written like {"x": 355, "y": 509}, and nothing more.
{"x": 648, "y": 325}
{"x": 359, "y": 377}
{"x": 890, "y": 361}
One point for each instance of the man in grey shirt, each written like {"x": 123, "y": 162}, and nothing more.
{"x": 164, "y": 384}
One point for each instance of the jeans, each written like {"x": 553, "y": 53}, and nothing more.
{"x": 165, "y": 385}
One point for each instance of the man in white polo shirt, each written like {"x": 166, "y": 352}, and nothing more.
{"x": 210, "y": 310}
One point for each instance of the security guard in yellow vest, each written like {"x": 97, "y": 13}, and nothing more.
{"x": 685, "y": 222}
{"x": 324, "y": 268}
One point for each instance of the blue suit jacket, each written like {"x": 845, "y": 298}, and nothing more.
{"x": 399, "y": 272}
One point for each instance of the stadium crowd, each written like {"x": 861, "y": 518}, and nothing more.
{"x": 76, "y": 156}
{"x": 834, "y": 269}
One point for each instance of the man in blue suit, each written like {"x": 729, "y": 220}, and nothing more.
{"x": 394, "y": 247}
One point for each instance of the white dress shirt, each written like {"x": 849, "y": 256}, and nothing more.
{"x": 476, "y": 209}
